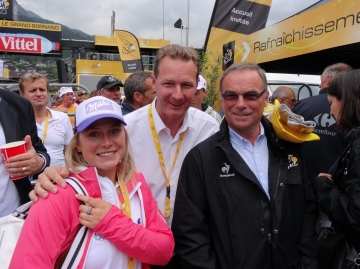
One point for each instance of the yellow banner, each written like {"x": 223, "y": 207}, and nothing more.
{"x": 263, "y": 2}
{"x": 129, "y": 50}
{"x": 94, "y": 67}
{"x": 143, "y": 42}
{"x": 333, "y": 24}
{"x": 6, "y": 72}
{"x": 30, "y": 25}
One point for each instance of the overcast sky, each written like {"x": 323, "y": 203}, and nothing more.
{"x": 144, "y": 18}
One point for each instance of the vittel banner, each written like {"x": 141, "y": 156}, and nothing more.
{"x": 30, "y": 38}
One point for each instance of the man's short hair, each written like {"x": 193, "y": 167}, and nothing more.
{"x": 336, "y": 69}
{"x": 177, "y": 52}
{"x": 244, "y": 66}
{"x": 32, "y": 76}
{"x": 135, "y": 83}
{"x": 279, "y": 92}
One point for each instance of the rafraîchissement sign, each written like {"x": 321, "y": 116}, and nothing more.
{"x": 30, "y": 38}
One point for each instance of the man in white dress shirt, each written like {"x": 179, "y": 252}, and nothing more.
{"x": 53, "y": 127}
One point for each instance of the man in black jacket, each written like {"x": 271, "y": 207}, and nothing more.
{"x": 139, "y": 91}
{"x": 18, "y": 123}
{"x": 320, "y": 155}
{"x": 242, "y": 199}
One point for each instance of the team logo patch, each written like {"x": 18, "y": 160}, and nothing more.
{"x": 293, "y": 161}
{"x": 225, "y": 169}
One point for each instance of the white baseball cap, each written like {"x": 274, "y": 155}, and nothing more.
{"x": 64, "y": 90}
{"x": 96, "y": 108}
{"x": 201, "y": 83}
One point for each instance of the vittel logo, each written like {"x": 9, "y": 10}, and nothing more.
{"x": 26, "y": 43}
{"x": 11, "y": 43}
{"x": 98, "y": 105}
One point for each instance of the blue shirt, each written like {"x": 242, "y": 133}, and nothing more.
{"x": 256, "y": 157}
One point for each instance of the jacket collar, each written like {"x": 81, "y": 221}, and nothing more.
{"x": 223, "y": 139}
{"x": 236, "y": 161}
{"x": 323, "y": 91}
{"x": 275, "y": 152}
{"x": 89, "y": 177}
{"x": 352, "y": 133}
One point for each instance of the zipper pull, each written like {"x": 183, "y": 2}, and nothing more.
{"x": 269, "y": 240}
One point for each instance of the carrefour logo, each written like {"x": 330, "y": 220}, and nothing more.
{"x": 325, "y": 120}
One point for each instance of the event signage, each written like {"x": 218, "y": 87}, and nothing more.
{"x": 235, "y": 18}
{"x": 129, "y": 50}
{"x": 9, "y": 10}
{"x": 332, "y": 24}
{"x": 244, "y": 17}
{"x": 30, "y": 38}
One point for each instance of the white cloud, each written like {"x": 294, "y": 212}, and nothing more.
{"x": 144, "y": 18}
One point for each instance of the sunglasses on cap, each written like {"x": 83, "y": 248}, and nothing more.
{"x": 248, "y": 96}
{"x": 34, "y": 74}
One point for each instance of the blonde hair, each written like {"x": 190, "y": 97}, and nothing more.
{"x": 74, "y": 159}
{"x": 32, "y": 76}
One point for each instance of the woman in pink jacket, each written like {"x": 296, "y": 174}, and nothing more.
{"x": 126, "y": 230}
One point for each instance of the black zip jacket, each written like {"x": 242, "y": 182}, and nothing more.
{"x": 340, "y": 200}
{"x": 223, "y": 219}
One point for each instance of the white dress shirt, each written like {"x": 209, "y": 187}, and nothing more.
{"x": 9, "y": 196}
{"x": 197, "y": 126}
{"x": 102, "y": 253}
{"x": 58, "y": 135}
{"x": 256, "y": 157}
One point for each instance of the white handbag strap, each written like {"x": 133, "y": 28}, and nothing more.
{"x": 22, "y": 210}
{"x": 77, "y": 247}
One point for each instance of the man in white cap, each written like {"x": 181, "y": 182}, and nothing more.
{"x": 199, "y": 97}
{"x": 66, "y": 94}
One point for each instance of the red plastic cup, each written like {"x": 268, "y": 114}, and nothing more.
{"x": 12, "y": 149}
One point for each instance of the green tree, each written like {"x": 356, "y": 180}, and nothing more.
{"x": 210, "y": 69}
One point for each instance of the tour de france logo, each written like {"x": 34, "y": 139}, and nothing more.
{"x": 293, "y": 161}
{"x": 4, "y": 5}
{"x": 128, "y": 48}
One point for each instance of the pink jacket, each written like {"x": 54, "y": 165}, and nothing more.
{"x": 52, "y": 225}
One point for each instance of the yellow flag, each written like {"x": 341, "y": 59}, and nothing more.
{"x": 129, "y": 50}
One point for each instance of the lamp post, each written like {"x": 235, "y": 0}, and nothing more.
{"x": 163, "y": 21}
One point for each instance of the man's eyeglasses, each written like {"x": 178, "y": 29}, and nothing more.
{"x": 249, "y": 96}
{"x": 294, "y": 101}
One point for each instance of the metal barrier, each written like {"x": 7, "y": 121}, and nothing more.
{"x": 68, "y": 85}
{"x": 12, "y": 87}
{"x": 301, "y": 84}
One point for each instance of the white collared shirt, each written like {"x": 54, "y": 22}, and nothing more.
{"x": 102, "y": 253}
{"x": 256, "y": 157}
{"x": 58, "y": 135}
{"x": 197, "y": 126}
{"x": 9, "y": 196}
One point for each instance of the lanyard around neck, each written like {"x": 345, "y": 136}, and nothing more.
{"x": 126, "y": 209}
{"x": 45, "y": 127}
{"x": 161, "y": 159}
